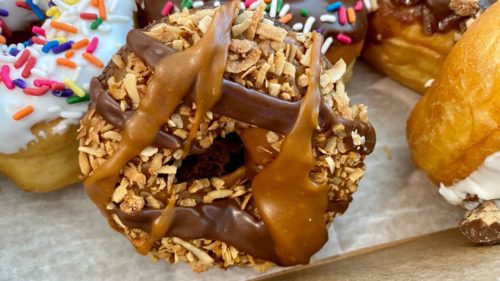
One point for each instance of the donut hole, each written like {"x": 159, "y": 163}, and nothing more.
{"x": 223, "y": 157}
{"x": 20, "y": 36}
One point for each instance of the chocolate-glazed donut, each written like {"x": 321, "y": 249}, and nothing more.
{"x": 223, "y": 140}
{"x": 409, "y": 40}
{"x": 347, "y": 49}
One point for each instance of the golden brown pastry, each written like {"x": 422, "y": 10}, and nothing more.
{"x": 454, "y": 131}
{"x": 409, "y": 40}
{"x": 43, "y": 86}
{"x": 226, "y": 142}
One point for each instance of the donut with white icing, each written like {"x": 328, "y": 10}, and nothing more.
{"x": 45, "y": 82}
{"x": 16, "y": 19}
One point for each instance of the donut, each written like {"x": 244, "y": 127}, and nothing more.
{"x": 342, "y": 23}
{"x": 454, "y": 132}
{"x": 409, "y": 40}
{"x": 44, "y": 88}
{"x": 223, "y": 138}
{"x": 16, "y": 21}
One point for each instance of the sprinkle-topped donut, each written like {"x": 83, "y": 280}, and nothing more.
{"x": 47, "y": 77}
{"x": 16, "y": 19}
{"x": 343, "y": 23}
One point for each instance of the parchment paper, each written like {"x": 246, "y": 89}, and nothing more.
{"x": 62, "y": 235}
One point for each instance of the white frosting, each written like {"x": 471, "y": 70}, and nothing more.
{"x": 15, "y": 135}
{"x": 484, "y": 183}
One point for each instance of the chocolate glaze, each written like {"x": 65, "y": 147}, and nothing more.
{"x": 435, "y": 15}
{"x": 356, "y": 31}
{"x": 238, "y": 102}
{"x": 223, "y": 221}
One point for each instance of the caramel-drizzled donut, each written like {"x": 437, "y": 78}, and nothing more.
{"x": 141, "y": 128}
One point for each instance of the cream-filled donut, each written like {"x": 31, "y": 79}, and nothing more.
{"x": 45, "y": 83}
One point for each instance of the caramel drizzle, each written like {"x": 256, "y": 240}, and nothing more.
{"x": 286, "y": 197}
{"x": 237, "y": 102}
{"x": 166, "y": 90}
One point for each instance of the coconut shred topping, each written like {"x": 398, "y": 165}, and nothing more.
{"x": 483, "y": 183}
{"x": 47, "y": 77}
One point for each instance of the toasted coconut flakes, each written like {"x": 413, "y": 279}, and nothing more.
{"x": 279, "y": 63}
{"x": 188, "y": 202}
{"x": 262, "y": 74}
{"x": 83, "y": 160}
{"x": 239, "y": 66}
{"x": 356, "y": 175}
{"x": 241, "y": 46}
{"x": 169, "y": 170}
{"x": 256, "y": 18}
{"x": 178, "y": 45}
{"x": 243, "y": 16}
{"x": 216, "y": 182}
{"x": 217, "y": 194}
{"x": 195, "y": 186}
{"x": 274, "y": 89}
{"x": 153, "y": 202}
{"x": 112, "y": 135}
{"x": 289, "y": 69}
{"x": 97, "y": 152}
{"x": 271, "y": 32}
{"x": 306, "y": 58}
{"x": 331, "y": 164}
{"x": 130, "y": 83}
{"x": 357, "y": 140}
{"x": 149, "y": 151}
{"x": 132, "y": 203}
{"x": 120, "y": 191}
{"x": 204, "y": 24}
{"x": 118, "y": 221}
{"x": 245, "y": 201}
{"x": 134, "y": 176}
{"x": 200, "y": 254}
{"x": 117, "y": 60}
{"x": 238, "y": 29}
{"x": 333, "y": 74}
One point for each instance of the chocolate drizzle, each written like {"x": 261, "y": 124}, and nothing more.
{"x": 237, "y": 102}
{"x": 223, "y": 221}
{"x": 200, "y": 80}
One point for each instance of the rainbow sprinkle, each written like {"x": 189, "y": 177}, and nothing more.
{"x": 65, "y": 50}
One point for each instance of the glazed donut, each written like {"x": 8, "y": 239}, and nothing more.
{"x": 454, "y": 131}
{"x": 409, "y": 40}
{"x": 342, "y": 23}
{"x": 187, "y": 131}
{"x": 44, "y": 85}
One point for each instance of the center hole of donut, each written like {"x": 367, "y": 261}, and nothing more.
{"x": 20, "y": 36}
{"x": 223, "y": 157}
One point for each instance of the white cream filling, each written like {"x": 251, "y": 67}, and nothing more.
{"x": 484, "y": 183}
